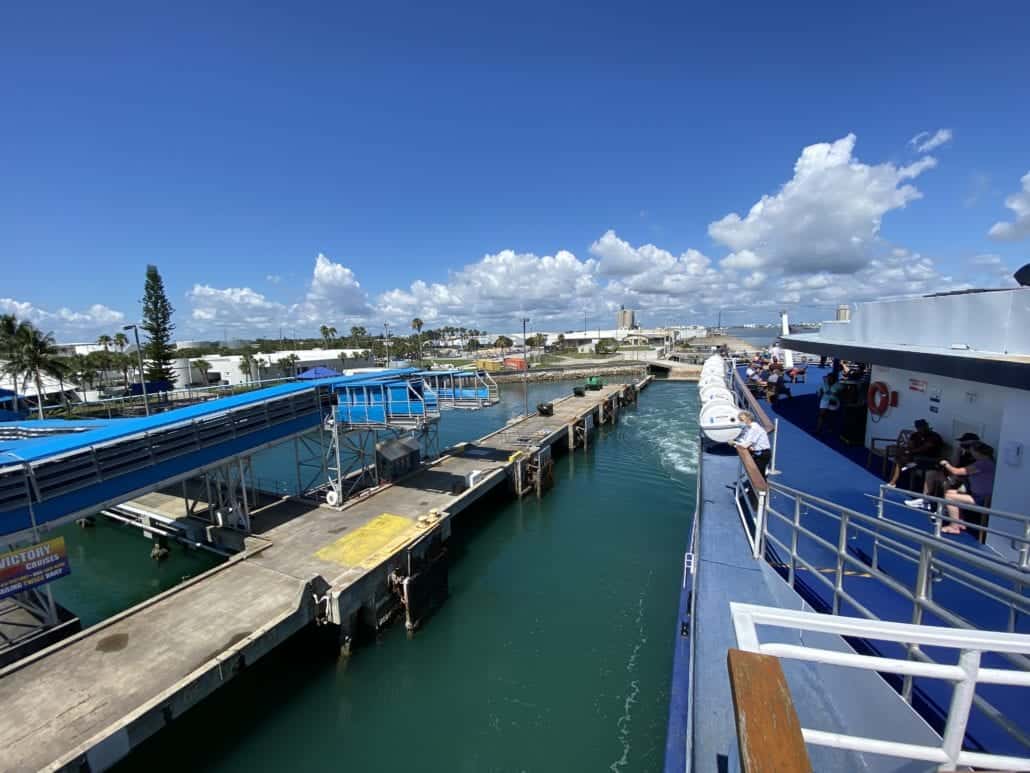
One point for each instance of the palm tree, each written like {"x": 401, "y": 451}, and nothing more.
{"x": 247, "y": 363}
{"x": 100, "y": 362}
{"x": 287, "y": 365}
{"x": 123, "y": 363}
{"x": 416, "y": 325}
{"x": 8, "y": 332}
{"x": 105, "y": 340}
{"x": 82, "y": 373}
{"x": 121, "y": 341}
{"x": 61, "y": 369}
{"x": 328, "y": 334}
{"x": 33, "y": 353}
{"x": 203, "y": 366}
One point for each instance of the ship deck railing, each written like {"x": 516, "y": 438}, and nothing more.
{"x": 403, "y": 403}
{"x": 462, "y": 388}
{"x": 898, "y": 558}
{"x": 966, "y": 674}
{"x": 895, "y": 498}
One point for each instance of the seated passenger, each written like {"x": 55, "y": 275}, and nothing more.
{"x": 938, "y": 481}
{"x": 776, "y": 384}
{"x": 980, "y": 475}
{"x": 922, "y": 451}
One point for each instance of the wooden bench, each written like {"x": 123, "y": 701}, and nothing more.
{"x": 768, "y": 731}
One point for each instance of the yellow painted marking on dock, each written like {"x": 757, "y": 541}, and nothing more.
{"x": 372, "y": 543}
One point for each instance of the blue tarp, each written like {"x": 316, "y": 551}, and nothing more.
{"x": 318, "y": 372}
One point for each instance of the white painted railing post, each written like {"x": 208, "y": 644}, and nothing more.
{"x": 958, "y": 713}
{"x": 773, "y": 469}
{"x": 842, "y": 546}
{"x": 760, "y": 525}
{"x": 794, "y": 541}
{"x": 879, "y": 515}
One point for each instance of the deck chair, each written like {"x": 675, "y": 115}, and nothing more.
{"x": 888, "y": 452}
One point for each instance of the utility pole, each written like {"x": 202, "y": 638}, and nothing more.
{"x": 525, "y": 360}
{"x": 142, "y": 375}
{"x": 386, "y": 328}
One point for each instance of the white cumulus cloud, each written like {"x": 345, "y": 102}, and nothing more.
{"x": 235, "y": 307}
{"x": 825, "y": 218}
{"x": 334, "y": 295}
{"x": 498, "y": 289}
{"x": 924, "y": 142}
{"x": 65, "y": 322}
{"x": 1019, "y": 228}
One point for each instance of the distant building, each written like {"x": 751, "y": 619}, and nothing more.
{"x": 68, "y": 350}
{"x": 625, "y": 319}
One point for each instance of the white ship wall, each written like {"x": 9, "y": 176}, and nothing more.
{"x": 999, "y": 415}
{"x": 987, "y": 322}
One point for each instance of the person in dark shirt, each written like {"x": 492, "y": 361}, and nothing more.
{"x": 938, "y": 481}
{"x": 922, "y": 451}
{"x": 980, "y": 484}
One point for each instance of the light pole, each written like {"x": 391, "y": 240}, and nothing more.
{"x": 142, "y": 377}
{"x": 386, "y": 329}
{"x": 525, "y": 361}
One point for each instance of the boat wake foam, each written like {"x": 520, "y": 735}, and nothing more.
{"x": 623, "y": 723}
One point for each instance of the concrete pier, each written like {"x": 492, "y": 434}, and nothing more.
{"x": 86, "y": 702}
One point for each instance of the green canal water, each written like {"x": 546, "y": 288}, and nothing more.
{"x": 552, "y": 653}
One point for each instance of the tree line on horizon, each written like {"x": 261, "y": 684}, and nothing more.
{"x": 30, "y": 354}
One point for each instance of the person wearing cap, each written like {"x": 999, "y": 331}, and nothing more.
{"x": 938, "y": 481}
{"x": 980, "y": 475}
{"x": 922, "y": 451}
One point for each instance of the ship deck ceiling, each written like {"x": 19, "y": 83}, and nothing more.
{"x": 999, "y": 368}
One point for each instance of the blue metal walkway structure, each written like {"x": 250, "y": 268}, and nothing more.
{"x": 78, "y": 468}
{"x": 462, "y": 388}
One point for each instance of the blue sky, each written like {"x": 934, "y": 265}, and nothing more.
{"x": 474, "y": 163}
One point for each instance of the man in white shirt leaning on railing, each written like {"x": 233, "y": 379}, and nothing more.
{"x": 754, "y": 439}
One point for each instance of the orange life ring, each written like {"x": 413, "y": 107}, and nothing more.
{"x": 878, "y": 399}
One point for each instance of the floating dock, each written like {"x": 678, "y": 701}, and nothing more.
{"x": 87, "y": 701}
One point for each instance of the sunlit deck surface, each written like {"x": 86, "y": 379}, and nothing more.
{"x": 825, "y": 697}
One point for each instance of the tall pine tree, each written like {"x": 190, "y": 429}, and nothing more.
{"x": 157, "y": 321}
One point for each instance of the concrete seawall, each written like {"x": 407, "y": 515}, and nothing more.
{"x": 570, "y": 373}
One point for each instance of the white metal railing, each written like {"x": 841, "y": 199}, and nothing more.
{"x": 822, "y": 552}
{"x": 1020, "y": 542}
{"x": 966, "y": 673}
